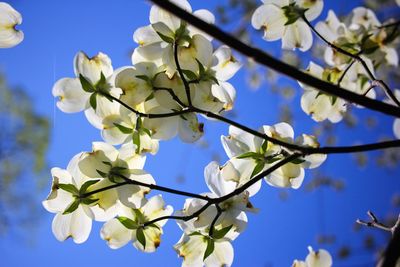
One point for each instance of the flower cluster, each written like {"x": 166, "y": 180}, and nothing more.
{"x": 358, "y": 46}
{"x": 176, "y": 74}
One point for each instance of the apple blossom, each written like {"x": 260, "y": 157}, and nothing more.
{"x": 9, "y": 18}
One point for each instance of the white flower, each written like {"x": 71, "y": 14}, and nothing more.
{"x": 70, "y": 92}
{"x": 127, "y": 227}
{"x": 250, "y": 155}
{"x": 282, "y": 20}
{"x": 74, "y": 211}
{"x": 9, "y": 18}
{"x": 192, "y": 248}
{"x": 319, "y": 258}
{"x": 111, "y": 165}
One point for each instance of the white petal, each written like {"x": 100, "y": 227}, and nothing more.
{"x": 91, "y": 68}
{"x": 225, "y": 64}
{"x": 9, "y": 18}
{"x": 155, "y": 208}
{"x": 222, "y": 255}
{"x": 206, "y": 16}
{"x": 71, "y": 97}
{"x": 58, "y": 200}
{"x": 215, "y": 182}
{"x": 314, "y": 8}
{"x": 192, "y": 249}
{"x": 190, "y": 130}
{"x": 76, "y": 225}
{"x": 320, "y": 258}
{"x": 115, "y": 234}
{"x": 145, "y": 36}
{"x": 297, "y": 35}
{"x": 396, "y": 128}
{"x": 270, "y": 18}
{"x": 157, "y": 14}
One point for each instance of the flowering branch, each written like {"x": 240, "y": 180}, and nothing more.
{"x": 275, "y": 64}
{"x": 358, "y": 58}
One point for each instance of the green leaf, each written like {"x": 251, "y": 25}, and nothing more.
{"x": 195, "y": 233}
{"x": 123, "y": 129}
{"x": 272, "y": 159}
{"x": 252, "y": 155}
{"x": 102, "y": 79}
{"x": 71, "y": 208}
{"x": 166, "y": 38}
{"x": 202, "y": 71}
{"x": 102, "y": 174}
{"x": 128, "y": 223}
{"x": 181, "y": 30}
{"x": 88, "y": 201}
{"x": 333, "y": 100}
{"x": 258, "y": 168}
{"x": 212, "y": 78}
{"x": 151, "y": 96}
{"x": 136, "y": 141}
{"x": 209, "y": 249}
{"x": 93, "y": 101}
{"x": 297, "y": 161}
{"x": 264, "y": 147}
{"x": 218, "y": 234}
{"x": 86, "y": 185}
{"x": 140, "y": 237}
{"x": 143, "y": 77}
{"x": 86, "y": 85}
{"x": 146, "y": 131}
{"x": 107, "y": 163}
{"x": 69, "y": 188}
{"x": 190, "y": 74}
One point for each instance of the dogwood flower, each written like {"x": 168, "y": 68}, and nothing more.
{"x": 9, "y": 18}
{"x": 198, "y": 250}
{"x": 73, "y": 204}
{"x": 156, "y": 40}
{"x": 283, "y": 20}
{"x": 322, "y": 106}
{"x": 319, "y": 258}
{"x": 112, "y": 166}
{"x": 92, "y": 78}
{"x": 253, "y": 155}
{"x": 128, "y": 226}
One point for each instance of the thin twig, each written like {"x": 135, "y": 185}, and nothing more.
{"x": 357, "y": 57}
{"x": 374, "y": 223}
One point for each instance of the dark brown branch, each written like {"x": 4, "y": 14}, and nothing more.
{"x": 239, "y": 190}
{"x": 269, "y": 61}
{"x": 148, "y": 115}
{"x": 178, "y": 68}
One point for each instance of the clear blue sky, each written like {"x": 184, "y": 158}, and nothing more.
{"x": 56, "y": 30}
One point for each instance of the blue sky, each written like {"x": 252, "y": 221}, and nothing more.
{"x": 280, "y": 232}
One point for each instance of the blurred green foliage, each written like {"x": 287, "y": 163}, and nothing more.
{"x": 24, "y": 138}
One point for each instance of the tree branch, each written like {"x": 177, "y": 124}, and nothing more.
{"x": 178, "y": 67}
{"x": 392, "y": 252}
{"x": 277, "y": 65}
{"x": 357, "y": 57}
